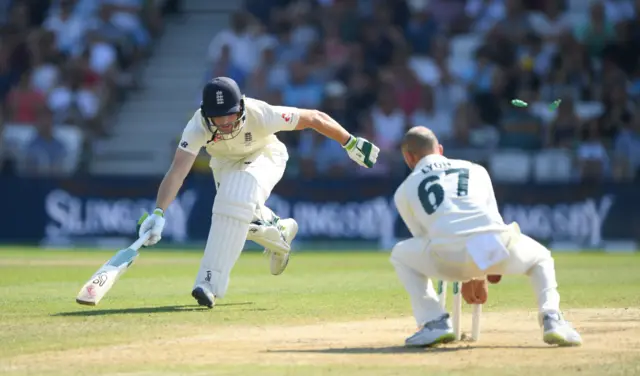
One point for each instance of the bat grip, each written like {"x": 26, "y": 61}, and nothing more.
{"x": 138, "y": 243}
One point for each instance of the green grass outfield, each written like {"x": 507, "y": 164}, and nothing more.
{"x": 329, "y": 313}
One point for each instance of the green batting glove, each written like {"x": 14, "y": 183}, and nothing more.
{"x": 362, "y": 151}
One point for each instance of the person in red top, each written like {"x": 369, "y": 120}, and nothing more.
{"x": 24, "y": 102}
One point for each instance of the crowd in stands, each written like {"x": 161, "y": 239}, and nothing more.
{"x": 379, "y": 67}
{"x": 65, "y": 66}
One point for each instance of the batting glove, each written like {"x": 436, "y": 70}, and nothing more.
{"x": 153, "y": 223}
{"x": 362, "y": 151}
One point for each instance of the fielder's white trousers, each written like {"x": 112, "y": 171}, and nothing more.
{"x": 416, "y": 261}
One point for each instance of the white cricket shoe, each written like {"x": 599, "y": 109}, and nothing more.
{"x": 433, "y": 333}
{"x": 557, "y": 331}
{"x": 279, "y": 260}
{"x": 204, "y": 296}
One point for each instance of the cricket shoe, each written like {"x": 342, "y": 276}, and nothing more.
{"x": 276, "y": 238}
{"x": 203, "y": 296}
{"x": 557, "y": 331}
{"x": 280, "y": 260}
{"x": 433, "y": 333}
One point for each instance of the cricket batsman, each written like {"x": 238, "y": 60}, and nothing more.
{"x": 459, "y": 235}
{"x": 247, "y": 161}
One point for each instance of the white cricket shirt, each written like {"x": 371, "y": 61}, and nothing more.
{"x": 262, "y": 122}
{"x": 448, "y": 199}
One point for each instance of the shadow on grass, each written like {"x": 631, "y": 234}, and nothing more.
{"x": 404, "y": 350}
{"x": 142, "y": 310}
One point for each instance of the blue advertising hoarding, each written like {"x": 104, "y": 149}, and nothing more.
{"x": 70, "y": 211}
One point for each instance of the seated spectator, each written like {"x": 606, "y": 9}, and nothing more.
{"x": 102, "y": 56}
{"x": 24, "y": 102}
{"x": 287, "y": 51}
{"x": 45, "y": 76}
{"x": 126, "y": 15}
{"x": 520, "y": 129}
{"x": 68, "y": 28}
{"x": 593, "y": 159}
{"x": 224, "y": 66}
{"x": 440, "y": 122}
{"x": 244, "y": 48}
{"x": 9, "y": 75}
{"x": 627, "y": 149}
{"x": 551, "y": 22}
{"x": 421, "y": 29}
{"x": 302, "y": 91}
{"x": 45, "y": 154}
{"x": 596, "y": 32}
{"x": 388, "y": 121}
{"x": 321, "y": 156}
{"x": 563, "y": 132}
{"x": 257, "y": 85}
{"x": 406, "y": 86}
{"x": 72, "y": 102}
{"x": 335, "y": 49}
{"x": 484, "y": 13}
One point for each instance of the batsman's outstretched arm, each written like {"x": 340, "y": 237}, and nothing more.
{"x": 360, "y": 150}
{"x": 173, "y": 179}
{"x": 169, "y": 187}
{"x": 323, "y": 124}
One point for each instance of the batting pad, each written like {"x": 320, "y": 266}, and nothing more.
{"x": 233, "y": 210}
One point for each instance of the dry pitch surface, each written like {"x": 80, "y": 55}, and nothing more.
{"x": 321, "y": 343}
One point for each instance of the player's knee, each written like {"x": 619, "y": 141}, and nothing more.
{"x": 237, "y": 196}
{"x": 399, "y": 253}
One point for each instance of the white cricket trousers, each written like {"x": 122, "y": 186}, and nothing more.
{"x": 416, "y": 261}
{"x": 243, "y": 187}
{"x": 266, "y": 166}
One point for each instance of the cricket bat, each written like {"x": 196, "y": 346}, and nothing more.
{"x": 102, "y": 280}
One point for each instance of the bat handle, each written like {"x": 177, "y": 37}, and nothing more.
{"x": 138, "y": 243}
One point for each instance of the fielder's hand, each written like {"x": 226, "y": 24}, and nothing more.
{"x": 153, "y": 223}
{"x": 475, "y": 291}
{"x": 362, "y": 151}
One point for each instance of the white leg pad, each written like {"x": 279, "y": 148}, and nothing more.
{"x": 233, "y": 210}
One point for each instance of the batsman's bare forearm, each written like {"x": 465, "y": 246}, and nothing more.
{"x": 174, "y": 178}
{"x": 323, "y": 124}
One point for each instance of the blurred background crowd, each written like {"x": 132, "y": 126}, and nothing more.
{"x": 454, "y": 66}
{"x": 376, "y": 66}
{"x": 65, "y": 67}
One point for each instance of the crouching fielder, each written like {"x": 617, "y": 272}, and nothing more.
{"x": 459, "y": 235}
{"x": 247, "y": 161}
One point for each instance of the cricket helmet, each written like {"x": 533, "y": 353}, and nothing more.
{"x": 222, "y": 97}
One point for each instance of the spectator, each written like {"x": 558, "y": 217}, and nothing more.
{"x": 593, "y": 159}
{"x": 24, "y": 102}
{"x": 388, "y": 122}
{"x": 224, "y": 66}
{"x": 67, "y": 28}
{"x": 421, "y": 29}
{"x": 563, "y": 132}
{"x": 335, "y": 48}
{"x": 321, "y": 156}
{"x": 551, "y": 22}
{"x": 627, "y": 149}
{"x": 44, "y": 154}
{"x": 596, "y": 32}
{"x": 302, "y": 91}
{"x": 439, "y": 121}
{"x": 244, "y": 51}
{"x": 126, "y": 15}
{"x": 520, "y": 129}
{"x": 72, "y": 102}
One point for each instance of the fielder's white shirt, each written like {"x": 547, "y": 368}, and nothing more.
{"x": 262, "y": 122}
{"x": 448, "y": 199}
